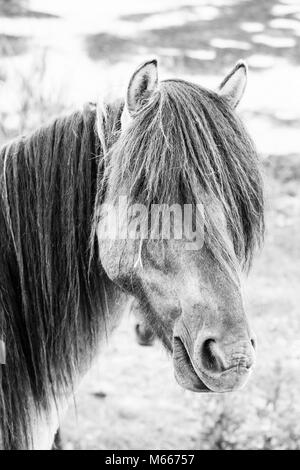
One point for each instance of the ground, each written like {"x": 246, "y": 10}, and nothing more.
{"x": 130, "y": 399}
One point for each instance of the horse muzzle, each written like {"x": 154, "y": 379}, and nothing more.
{"x": 211, "y": 366}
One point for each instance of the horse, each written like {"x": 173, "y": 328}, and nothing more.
{"x": 69, "y": 266}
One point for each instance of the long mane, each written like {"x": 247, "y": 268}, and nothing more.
{"x": 51, "y": 306}
{"x": 187, "y": 145}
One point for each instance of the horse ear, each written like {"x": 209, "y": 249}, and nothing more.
{"x": 142, "y": 84}
{"x": 233, "y": 86}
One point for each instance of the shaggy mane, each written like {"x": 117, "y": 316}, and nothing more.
{"x": 187, "y": 145}
{"x": 50, "y": 307}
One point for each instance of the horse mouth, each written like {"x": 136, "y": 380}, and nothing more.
{"x": 185, "y": 373}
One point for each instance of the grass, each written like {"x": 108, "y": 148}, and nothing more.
{"x": 37, "y": 100}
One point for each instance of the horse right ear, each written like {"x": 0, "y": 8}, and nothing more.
{"x": 233, "y": 86}
{"x": 142, "y": 84}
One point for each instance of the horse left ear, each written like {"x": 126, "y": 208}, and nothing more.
{"x": 233, "y": 86}
{"x": 142, "y": 84}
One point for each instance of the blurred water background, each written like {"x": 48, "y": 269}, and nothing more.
{"x": 57, "y": 54}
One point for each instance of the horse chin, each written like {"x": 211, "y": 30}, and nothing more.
{"x": 184, "y": 371}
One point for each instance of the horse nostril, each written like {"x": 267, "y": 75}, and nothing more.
{"x": 217, "y": 357}
{"x": 208, "y": 358}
